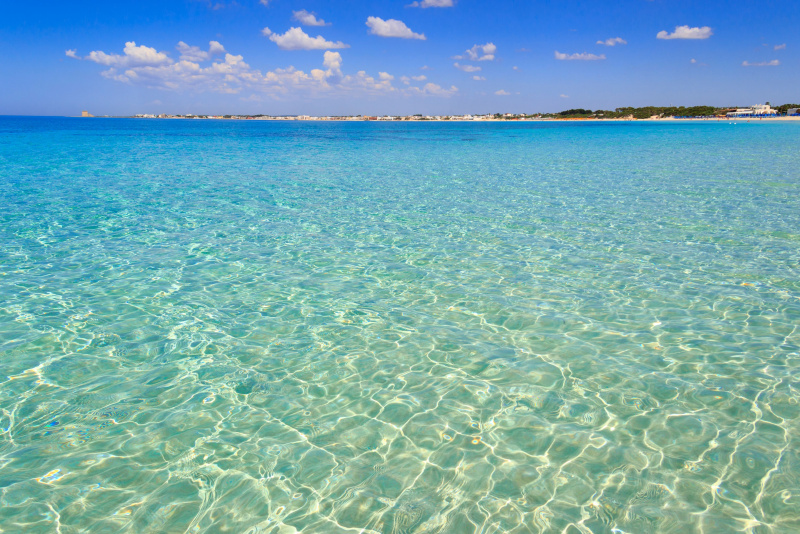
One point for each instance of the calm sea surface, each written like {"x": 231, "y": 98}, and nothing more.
{"x": 258, "y": 327}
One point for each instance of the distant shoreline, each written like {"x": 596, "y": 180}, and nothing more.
{"x": 293, "y": 119}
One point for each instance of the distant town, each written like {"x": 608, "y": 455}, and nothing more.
{"x": 626, "y": 113}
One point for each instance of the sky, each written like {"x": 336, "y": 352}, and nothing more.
{"x": 371, "y": 57}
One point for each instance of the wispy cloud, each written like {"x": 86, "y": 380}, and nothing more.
{"x": 432, "y": 3}
{"x": 773, "y": 63}
{"x": 297, "y": 39}
{"x": 485, "y": 52}
{"x": 563, "y": 96}
{"x": 613, "y": 41}
{"x": 685, "y": 32}
{"x": 780, "y": 47}
{"x": 579, "y": 57}
{"x": 466, "y": 68}
{"x": 479, "y": 78}
{"x": 502, "y": 92}
{"x": 307, "y": 18}
{"x": 195, "y": 53}
{"x": 392, "y": 28}
{"x": 432, "y": 89}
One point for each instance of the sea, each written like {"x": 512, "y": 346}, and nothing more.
{"x": 356, "y": 327}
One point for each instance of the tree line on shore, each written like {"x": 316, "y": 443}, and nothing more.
{"x": 655, "y": 111}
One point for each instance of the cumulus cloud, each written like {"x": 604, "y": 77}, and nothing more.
{"x": 613, "y": 41}
{"x": 484, "y": 52}
{"x": 392, "y": 28}
{"x": 332, "y": 60}
{"x": 773, "y": 63}
{"x": 780, "y": 46}
{"x": 145, "y": 67}
{"x": 502, "y": 92}
{"x": 132, "y": 55}
{"x": 425, "y": 67}
{"x": 685, "y": 32}
{"x": 307, "y": 18}
{"x": 297, "y": 39}
{"x": 72, "y": 53}
{"x": 420, "y": 78}
{"x": 466, "y": 68}
{"x": 432, "y": 3}
{"x": 194, "y": 53}
{"x": 579, "y": 57}
{"x": 479, "y": 78}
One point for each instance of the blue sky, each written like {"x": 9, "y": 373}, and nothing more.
{"x": 391, "y": 57}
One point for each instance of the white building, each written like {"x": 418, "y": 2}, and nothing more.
{"x": 756, "y": 111}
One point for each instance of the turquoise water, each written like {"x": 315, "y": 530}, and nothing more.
{"x": 352, "y": 327}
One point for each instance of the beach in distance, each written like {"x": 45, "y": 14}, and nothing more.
{"x": 382, "y": 327}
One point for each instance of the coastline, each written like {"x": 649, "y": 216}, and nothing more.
{"x": 360, "y": 119}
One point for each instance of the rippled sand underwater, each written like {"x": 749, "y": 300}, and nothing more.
{"x": 273, "y": 328}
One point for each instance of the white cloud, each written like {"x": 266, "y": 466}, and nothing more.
{"x": 484, "y": 52}
{"x": 297, "y": 39}
{"x": 502, "y": 92}
{"x": 72, "y": 53}
{"x": 466, "y": 68}
{"x": 780, "y": 46}
{"x": 145, "y": 67}
{"x": 613, "y": 41}
{"x": 479, "y": 78}
{"x": 432, "y": 89}
{"x": 307, "y": 18}
{"x": 514, "y": 68}
{"x": 693, "y": 60}
{"x": 132, "y": 56}
{"x": 432, "y": 3}
{"x": 563, "y": 96}
{"x": 773, "y": 63}
{"x": 232, "y": 75}
{"x": 332, "y": 60}
{"x": 194, "y": 53}
{"x": 579, "y": 57}
{"x": 685, "y": 32}
{"x": 264, "y": 2}
{"x": 425, "y": 67}
{"x": 392, "y": 28}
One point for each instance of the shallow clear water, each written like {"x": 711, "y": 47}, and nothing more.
{"x": 280, "y": 327}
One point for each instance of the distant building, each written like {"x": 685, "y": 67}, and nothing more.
{"x": 755, "y": 111}
{"x": 86, "y": 114}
